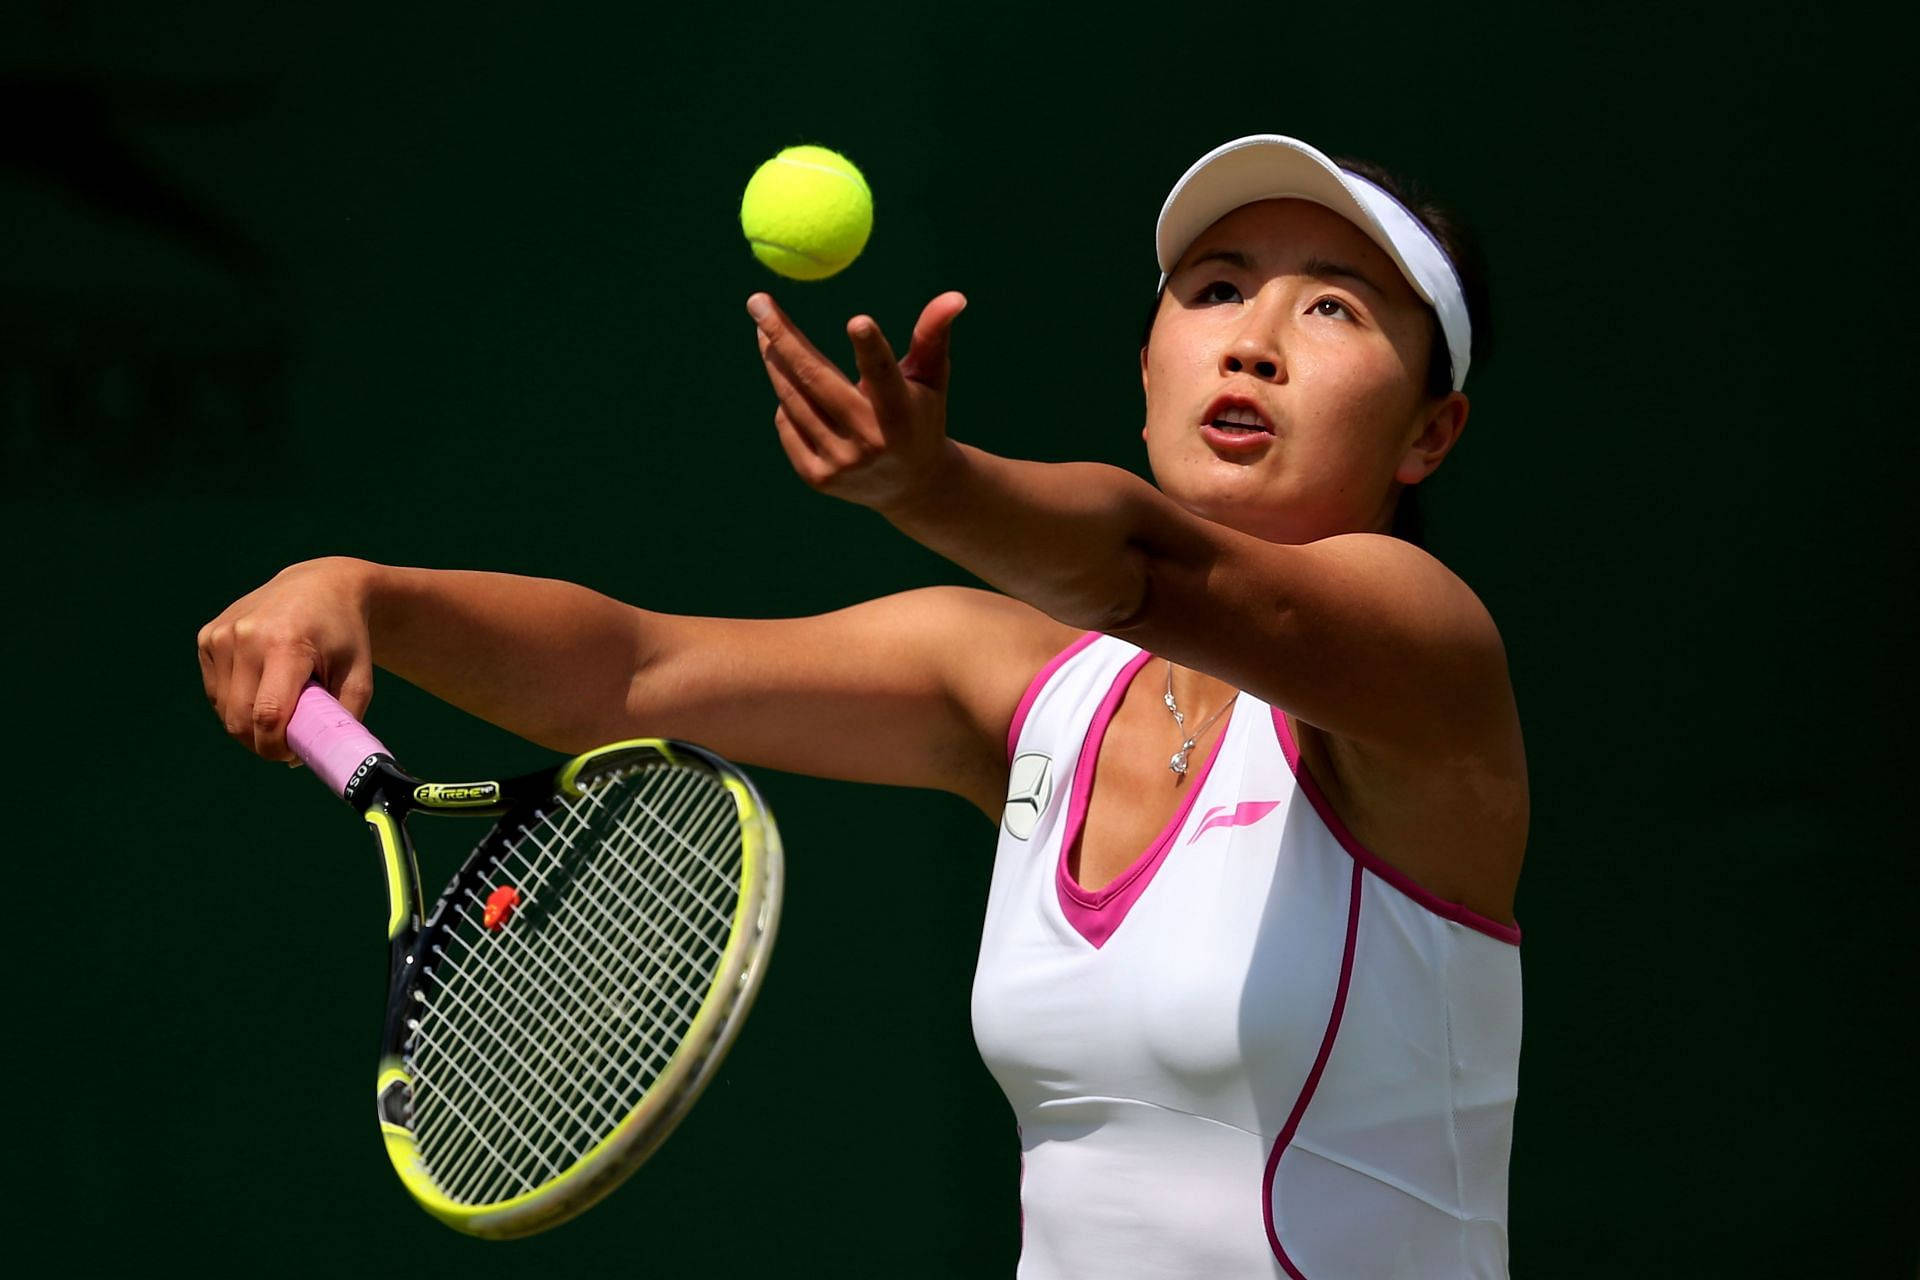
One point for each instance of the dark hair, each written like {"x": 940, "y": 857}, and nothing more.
{"x": 1462, "y": 248}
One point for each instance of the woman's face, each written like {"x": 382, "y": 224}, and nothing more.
{"x": 1285, "y": 312}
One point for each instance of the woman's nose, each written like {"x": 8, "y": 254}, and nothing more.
{"x": 1255, "y": 351}
{"x": 1265, "y": 367}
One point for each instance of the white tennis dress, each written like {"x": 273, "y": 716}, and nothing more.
{"x": 1259, "y": 1051}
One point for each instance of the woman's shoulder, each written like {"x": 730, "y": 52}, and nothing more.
{"x": 993, "y": 647}
{"x": 1002, "y": 640}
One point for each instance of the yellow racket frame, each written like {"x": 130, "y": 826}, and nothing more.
{"x": 736, "y": 981}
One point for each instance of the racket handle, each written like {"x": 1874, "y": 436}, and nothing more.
{"x": 325, "y": 735}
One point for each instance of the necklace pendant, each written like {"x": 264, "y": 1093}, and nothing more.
{"x": 1179, "y": 762}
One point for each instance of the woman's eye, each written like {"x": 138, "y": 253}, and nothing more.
{"x": 1219, "y": 291}
{"x": 1330, "y": 307}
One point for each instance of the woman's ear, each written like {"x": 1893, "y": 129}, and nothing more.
{"x": 1143, "y": 390}
{"x": 1440, "y": 430}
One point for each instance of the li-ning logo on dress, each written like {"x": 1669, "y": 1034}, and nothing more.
{"x": 1029, "y": 788}
{"x": 1244, "y": 814}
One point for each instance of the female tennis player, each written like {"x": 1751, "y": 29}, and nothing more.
{"x": 1249, "y": 974}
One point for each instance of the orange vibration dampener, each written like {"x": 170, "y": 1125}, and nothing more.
{"x": 500, "y": 905}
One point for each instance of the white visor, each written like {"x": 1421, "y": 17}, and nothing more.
{"x": 1266, "y": 166}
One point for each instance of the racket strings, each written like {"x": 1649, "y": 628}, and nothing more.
{"x": 485, "y": 1130}
{"x": 488, "y": 1024}
{"x": 586, "y": 974}
{"x": 612, "y": 984}
{"x": 534, "y": 1041}
{"x": 481, "y": 1007}
{"x": 584, "y": 1048}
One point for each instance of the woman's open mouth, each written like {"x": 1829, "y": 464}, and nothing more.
{"x": 1233, "y": 424}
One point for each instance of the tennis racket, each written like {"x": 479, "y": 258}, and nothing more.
{"x": 565, "y": 1001}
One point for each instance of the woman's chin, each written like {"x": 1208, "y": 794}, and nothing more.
{"x": 1261, "y": 515}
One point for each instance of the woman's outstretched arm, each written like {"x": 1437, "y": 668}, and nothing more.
{"x": 914, "y": 689}
{"x": 1361, "y": 635}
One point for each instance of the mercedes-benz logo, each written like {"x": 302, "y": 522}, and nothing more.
{"x": 1029, "y": 788}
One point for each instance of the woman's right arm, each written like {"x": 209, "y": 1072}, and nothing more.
{"x": 915, "y": 689}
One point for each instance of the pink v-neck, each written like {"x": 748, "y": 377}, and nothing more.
{"x": 1096, "y": 913}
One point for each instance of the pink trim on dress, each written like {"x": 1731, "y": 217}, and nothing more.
{"x": 1096, "y": 913}
{"x": 1312, "y": 1083}
{"x": 1509, "y": 933}
{"x": 1036, "y": 684}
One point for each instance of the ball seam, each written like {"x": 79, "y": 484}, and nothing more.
{"x": 787, "y": 248}
{"x": 821, "y": 168}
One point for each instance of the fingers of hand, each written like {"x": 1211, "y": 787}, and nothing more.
{"x": 253, "y": 679}
{"x": 283, "y": 674}
{"x": 880, "y": 377}
{"x": 208, "y": 645}
{"x": 780, "y": 334}
{"x": 927, "y": 360}
{"x": 826, "y": 424}
{"x": 804, "y": 373}
{"x": 832, "y": 428}
{"x": 356, "y": 687}
{"x": 242, "y": 683}
{"x": 801, "y": 453}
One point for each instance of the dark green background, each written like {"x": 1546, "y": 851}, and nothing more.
{"x": 462, "y": 287}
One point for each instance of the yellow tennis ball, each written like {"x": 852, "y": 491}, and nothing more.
{"x": 807, "y": 213}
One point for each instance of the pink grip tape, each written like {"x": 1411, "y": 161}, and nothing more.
{"x": 325, "y": 735}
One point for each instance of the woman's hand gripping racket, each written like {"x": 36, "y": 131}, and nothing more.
{"x": 559, "y": 1009}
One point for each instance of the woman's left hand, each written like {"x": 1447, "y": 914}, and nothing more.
{"x": 880, "y": 443}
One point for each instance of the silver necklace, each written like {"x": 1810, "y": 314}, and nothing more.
{"x": 1179, "y": 762}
